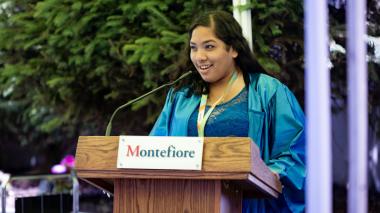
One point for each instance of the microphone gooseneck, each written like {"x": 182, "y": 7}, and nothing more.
{"x": 109, "y": 126}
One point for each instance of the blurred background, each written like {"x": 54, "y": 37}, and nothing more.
{"x": 65, "y": 65}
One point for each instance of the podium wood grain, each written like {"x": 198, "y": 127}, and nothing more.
{"x": 172, "y": 196}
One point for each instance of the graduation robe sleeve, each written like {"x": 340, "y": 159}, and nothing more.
{"x": 287, "y": 154}
{"x": 281, "y": 140}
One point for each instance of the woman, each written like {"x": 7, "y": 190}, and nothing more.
{"x": 229, "y": 90}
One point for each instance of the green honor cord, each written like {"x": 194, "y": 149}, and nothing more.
{"x": 202, "y": 118}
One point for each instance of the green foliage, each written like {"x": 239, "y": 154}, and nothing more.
{"x": 68, "y": 64}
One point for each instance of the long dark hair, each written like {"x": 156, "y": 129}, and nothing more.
{"x": 227, "y": 29}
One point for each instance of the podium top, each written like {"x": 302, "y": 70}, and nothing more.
{"x": 224, "y": 158}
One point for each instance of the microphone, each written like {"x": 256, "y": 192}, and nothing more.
{"x": 109, "y": 126}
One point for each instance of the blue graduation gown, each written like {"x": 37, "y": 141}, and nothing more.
{"x": 276, "y": 125}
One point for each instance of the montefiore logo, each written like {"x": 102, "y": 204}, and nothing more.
{"x": 169, "y": 152}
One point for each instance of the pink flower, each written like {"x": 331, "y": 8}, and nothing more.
{"x": 64, "y": 166}
{"x": 68, "y": 161}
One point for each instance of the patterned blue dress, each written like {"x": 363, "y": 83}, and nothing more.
{"x": 233, "y": 113}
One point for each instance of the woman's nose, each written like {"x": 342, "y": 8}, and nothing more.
{"x": 200, "y": 55}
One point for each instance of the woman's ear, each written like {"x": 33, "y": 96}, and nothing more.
{"x": 234, "y": 53}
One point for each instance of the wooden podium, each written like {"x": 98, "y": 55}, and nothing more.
{"x": 231, "y": 168}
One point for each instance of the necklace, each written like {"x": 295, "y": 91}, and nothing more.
{"x": 202, "y": 117}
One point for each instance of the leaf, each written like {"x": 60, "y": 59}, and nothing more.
{"x": 144, "y": 40}
{"x": 33, "y": 42}
{"x": 275, "y": 29}
{"x": 269, "y": 64}
{"x": 89, "y": 49}
{"x": 77, "y": 6}
{"x": 114, "y": 23}
{"x": 173, "y": 37}
{"x": 82, "y": 23}
{"x": 126, "y": 7}
{"x": 138, "y": 105}
{"x": 60, "y": 19}
{"x": 143, "y": 5}
{"x": 58, "y": 81}
{"x": 44, "y": 7}
{"x": 129, "y": 47}
{"x": 51, "y": 125}
{"x": 112, "y": 95}
{"x": 164, "y": 20}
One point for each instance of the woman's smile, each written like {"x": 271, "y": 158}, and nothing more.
{"x": 204, "y": 68}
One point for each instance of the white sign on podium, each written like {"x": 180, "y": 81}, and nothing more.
{"x": 157, "y": 152}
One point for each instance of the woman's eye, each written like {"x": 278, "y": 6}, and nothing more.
{"x": 193, "y": 47}
{"x": 209, "y": 46}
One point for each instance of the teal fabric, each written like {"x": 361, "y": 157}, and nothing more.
{"x": 276, "y": 125}
{"x": 233, "y": 113}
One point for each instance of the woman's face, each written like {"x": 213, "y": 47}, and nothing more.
{"x": 210, "y": 56}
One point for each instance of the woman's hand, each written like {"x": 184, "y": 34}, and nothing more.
{"x": 277, "y": 175}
